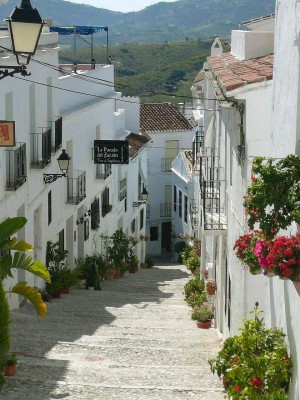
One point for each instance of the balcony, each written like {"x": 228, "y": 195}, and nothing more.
{"x": 166, "y": 164}
{"x": 16, "y": 167}
{"x": 212, "y": 190}
{"x": 165, "y": 210}
{"x": 198, "y": 143}
{"x": 40, "y": 144}
{"x": 76, "y": 188}
{"x": 103, "y": 171}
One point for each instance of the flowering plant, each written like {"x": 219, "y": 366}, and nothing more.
{"x": 244, "y": 250}
{"x": 254, "y": 365}
{"x": 273, "y": 197}
{"x": 284, "y": 257}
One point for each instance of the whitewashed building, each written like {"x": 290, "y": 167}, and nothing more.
{"x": 256, "y": 113}
{"x": 54, "y": 111}
{"x": 170, "y": 133}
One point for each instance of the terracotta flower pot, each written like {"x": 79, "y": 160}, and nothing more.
{"x": 204, "y": 325}
{"x": 211, "y": 291}
{"x": 117, "y": 273}
{"x": 11, "y": 370}
{"x": 110, "y": 273}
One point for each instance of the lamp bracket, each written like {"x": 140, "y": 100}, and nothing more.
{"x": 49, "y": 178}
{"x": 138, "y": 203}
{"x": 16, "y": 69}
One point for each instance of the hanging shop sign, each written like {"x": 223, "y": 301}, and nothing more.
{"x": 111, "y": 152}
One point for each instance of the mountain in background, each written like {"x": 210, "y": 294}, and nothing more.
{"x": 157, "y": 23}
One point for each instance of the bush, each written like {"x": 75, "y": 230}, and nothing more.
{"x": 254, "y": 365}
{"x": 194, "y": 291}
{"x": 202, "y": 313}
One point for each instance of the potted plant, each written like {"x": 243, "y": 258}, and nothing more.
{"x": 244, "y": 250}
{"x": 194, "y": 291}
{"x": 255, "y": 364}
{"x": 11, "y": 364}
{"x": 203, "y": 314}
{"x": 211, "y": 287}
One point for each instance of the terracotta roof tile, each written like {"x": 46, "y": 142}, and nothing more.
{"x": 136, "y": 142}
{"x": 232, "y": 73}
{"x": 162, "y": 117}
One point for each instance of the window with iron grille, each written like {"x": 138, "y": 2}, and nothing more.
{"x": 16, "y": 168}
{"x": 133, "y": 226}
{"x": 86, "y": 229}
{"x": 61, "y": 240}
{"x": 141, "y": 219}
{"x": 185, "y": 208}
{"x": 105, "y": 206}
{"x": 49, "y": 207}
{"x": 180, "y": 203}
{"x": 40, "y": 149}
{"x": 175, "y": 197}
{"x": 122, "y": 189}
{"x": 95, "y": 215}
{"x": 58, "y": 134}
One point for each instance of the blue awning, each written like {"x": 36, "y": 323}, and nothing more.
{"x": 79, "y": 30}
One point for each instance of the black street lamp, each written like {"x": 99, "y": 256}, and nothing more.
{"x": 25, "y": 27}
{"x": 144, "y": 197}
{"x": 63, "y": 162}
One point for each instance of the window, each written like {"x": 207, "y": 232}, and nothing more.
{"x": 133, "y": 226}
{"x": 58, "y": 134}
{"x": 141, "y": 219}
{"x": 40, "y": 149}
{"x": 175, "y": 198}
{"x": 153, "y": 233}
{"x": 86, "y": 229}
{"x": 185, "y": 208}
{"x": 49, "y": 207}
{"x": 16, "y": 168}
{"x": 95, "y": 214}
{"x": 180, "y": 203}
{"x": 122, "y": 189}
{"x": 61, "y": 240}
{"x": 105, "y": 206}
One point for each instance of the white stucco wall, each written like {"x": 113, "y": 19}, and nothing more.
{"x": 246, "y": 45}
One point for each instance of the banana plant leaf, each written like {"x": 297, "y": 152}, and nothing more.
{"x": 32, "y": 295}
{"x": 10, "y": 227}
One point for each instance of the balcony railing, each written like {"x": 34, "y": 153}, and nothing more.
{"x": 40, "y": 149}
{"x": 16, "y": 167}
{"x": 76, "y": 188}
{"x": 165, "y": 210}
{"x": 166, "y": 164}
{"x": 212, "y": 189}
{"x": 198, "y": 143}
{"x": 103, "y": 171}
{"x": 58, "y": 135}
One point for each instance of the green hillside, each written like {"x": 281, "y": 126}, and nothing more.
{"x": 149, "y": 70}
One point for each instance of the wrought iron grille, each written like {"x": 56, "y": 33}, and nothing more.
{"x": 198, "y": 143}
{"x": 103, "y": 171}
{"x": 212, "y": 189}
{"x": 105, "y": 206}
{"x": 76, "y": 188}
{"x": 95, "y": 214}
{"x": 16, "y": 167}
{"x": 165, "y": 210}
{"x": 40, "y": 149}
{"x": 166, "y": 164}
{"x": 122, "y": 189}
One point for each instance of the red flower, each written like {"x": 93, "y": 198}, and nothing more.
{"x": 257, "y": 382}
{"x": 235, "y": 360}
{"x": 237, "y": 388}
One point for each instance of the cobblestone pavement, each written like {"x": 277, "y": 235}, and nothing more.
{"x": 133, "y": 340}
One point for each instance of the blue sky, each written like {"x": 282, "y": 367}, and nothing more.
{"x": 121, "y": 5}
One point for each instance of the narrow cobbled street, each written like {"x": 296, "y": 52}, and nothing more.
{"x": 133, "y": 340}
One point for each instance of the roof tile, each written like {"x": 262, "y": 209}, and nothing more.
{"x": 162, "y": 117}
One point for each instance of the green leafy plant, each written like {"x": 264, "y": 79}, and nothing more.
{"x": 11, "y": 359}
{"x": 254, "y": 365}
{"x": 19, "y": 260}
{"x": 244, "y": 250}
{"x": 194, "y": 291}
{"x": 56, "y": 262}
{"x": 273, "y": 198}
{"x": 180, "y": 246}
{"x": 202, "y": 313}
